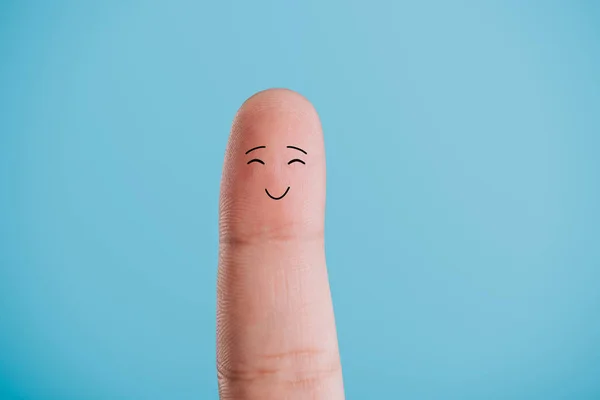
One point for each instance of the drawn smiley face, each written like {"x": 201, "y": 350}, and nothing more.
{"x": 292, "y": 161}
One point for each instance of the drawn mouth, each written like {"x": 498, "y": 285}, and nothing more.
{"x": 280, "y": 197}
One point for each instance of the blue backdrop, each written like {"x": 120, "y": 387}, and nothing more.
{"x": 463, "y": 217}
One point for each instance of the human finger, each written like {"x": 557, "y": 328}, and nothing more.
{"x": 276, "y": 335}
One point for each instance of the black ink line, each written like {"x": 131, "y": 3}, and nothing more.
{"x": 255, "y": 148}
{"x": 296, "y": 148}
{"x": 296, "y": 160}
{"x": 256, "y": 160}
{"x": 280, "y": 197}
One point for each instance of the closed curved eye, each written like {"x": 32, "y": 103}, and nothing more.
{"x": 256, "y": 160}
{"x": 296, "y": 160}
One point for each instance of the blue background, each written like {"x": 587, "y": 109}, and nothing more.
{"x": 463, "y": 214}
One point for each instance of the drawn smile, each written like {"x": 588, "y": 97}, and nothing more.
{"x": 280, "y": 197}
{"x": 262, "y": 162}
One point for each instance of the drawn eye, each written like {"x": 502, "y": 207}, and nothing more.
{"x": 256, "y": 160}
{"x": 296, "y": 160}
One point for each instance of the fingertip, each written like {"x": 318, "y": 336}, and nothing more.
{"x": 262, "y": 188}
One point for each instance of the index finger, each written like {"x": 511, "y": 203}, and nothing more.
{"x": 276, "y": 335}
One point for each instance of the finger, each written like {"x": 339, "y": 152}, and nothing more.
{"x": 276, "y": 336}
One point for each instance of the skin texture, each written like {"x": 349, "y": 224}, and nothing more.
{"x": 276, "y": 335}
